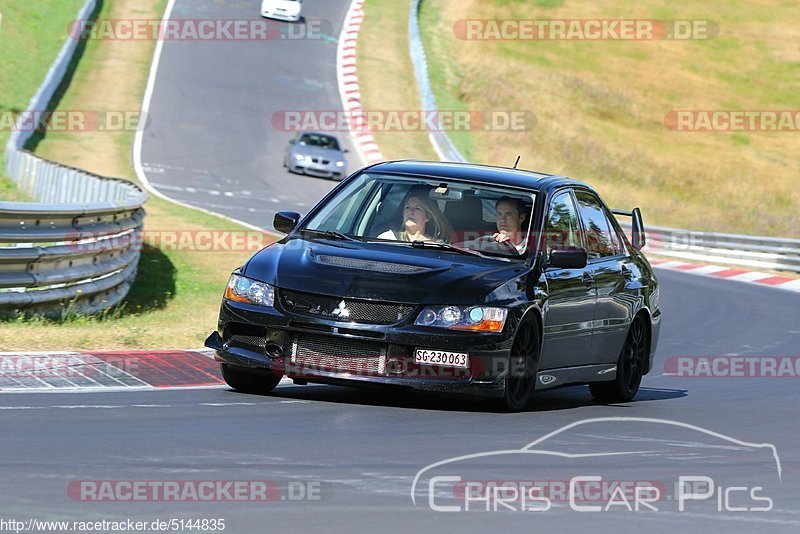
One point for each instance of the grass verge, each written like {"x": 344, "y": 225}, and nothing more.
{"x": 600, "y": 106}
{"x": 175, "y": 299}
{"x": 386, "y": 77}
{"x": 31, "y": 35}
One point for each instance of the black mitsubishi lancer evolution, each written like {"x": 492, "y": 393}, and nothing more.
{"x": 451, "y": 278}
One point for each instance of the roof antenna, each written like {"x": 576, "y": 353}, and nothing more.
{"x": 517, "y": 162}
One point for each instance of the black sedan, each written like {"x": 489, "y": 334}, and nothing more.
{"x": 450, "y": 278}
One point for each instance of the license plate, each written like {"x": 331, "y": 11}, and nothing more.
{"x": 441, "y": 357}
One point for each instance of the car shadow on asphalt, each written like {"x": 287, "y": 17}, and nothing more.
{"x": 558, "y": 399}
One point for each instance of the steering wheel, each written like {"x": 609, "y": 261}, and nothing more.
{"x": 490, "y": 242}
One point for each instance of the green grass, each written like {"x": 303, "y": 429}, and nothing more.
{"x": 31, "y": 35}
{"x": 382, "y": 58}
{"x": 175, "y": 298}
{"x": 10, "y": 193}
{"x": 601, "y": 105}
{"x": 447, "y": 79}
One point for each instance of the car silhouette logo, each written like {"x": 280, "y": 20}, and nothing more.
{"x": 341, "y": 310}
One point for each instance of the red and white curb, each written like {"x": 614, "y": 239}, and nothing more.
{"x": 349, "y": 91}
{"x": 108, "y": 370}
{"x": 728, "y": 273}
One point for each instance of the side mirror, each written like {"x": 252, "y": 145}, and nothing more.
{"x": 566, "y": 257}
{"x": 292, "y": 141}
{"x": 285, "y": 221}
{"x": 345, "y": 151}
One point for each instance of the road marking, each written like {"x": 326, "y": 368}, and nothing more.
{"x": 118, "y": 406}
{"x": 138, "y": 140}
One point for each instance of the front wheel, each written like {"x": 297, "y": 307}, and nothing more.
{"x": 248, "y": 381}
{"x": 522, "y": 369}
{"x": 630, "y": 368}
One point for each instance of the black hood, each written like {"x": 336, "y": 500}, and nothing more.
{"x": 375, "y": 271}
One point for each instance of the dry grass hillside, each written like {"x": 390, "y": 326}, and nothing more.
{"x": 601, "y": 105}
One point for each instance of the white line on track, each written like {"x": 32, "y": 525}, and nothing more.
{"x": 138, "y": 139}
{"x": 118, "y": 406}
{"x": 284, "y": 383}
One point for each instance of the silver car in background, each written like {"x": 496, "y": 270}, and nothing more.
{"x": 288, "y": 10}
{"x": 316, "y": 154}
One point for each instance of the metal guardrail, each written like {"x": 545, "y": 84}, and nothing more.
{"x": 441, "y": 142}
{"x": 762, "y": 252}
{"x": 76, "y": 249}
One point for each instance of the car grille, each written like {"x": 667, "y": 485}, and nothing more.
{"x": 253, "y": 343}
{"x": 317, "y": 160}
{"x": 338, "y": 354}
{"x": 337, "y": 308}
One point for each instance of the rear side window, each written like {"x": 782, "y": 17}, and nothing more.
{"x": 562, "y": 223}
{"x": 600, "y": 241}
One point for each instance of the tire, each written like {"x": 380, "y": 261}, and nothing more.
{"x": 248, "y": 381}
{"x": 523, "y": 365}
{"x": 630, "y": 367}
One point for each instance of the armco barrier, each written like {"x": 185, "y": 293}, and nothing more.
{"x": 750, "y": 251}
{"x": 441, "y": 142}
{"x": 76, "y": 248}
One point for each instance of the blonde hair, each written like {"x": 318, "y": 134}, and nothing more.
{"x": 438, "y": 228}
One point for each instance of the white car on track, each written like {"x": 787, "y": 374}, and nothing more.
{"x": 288, "y": 10}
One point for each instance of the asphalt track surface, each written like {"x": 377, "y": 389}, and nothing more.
{"x": 210, "y": 142}
{"x": 361, "y": 448}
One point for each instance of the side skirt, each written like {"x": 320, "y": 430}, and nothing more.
{"x": 583, "y": 374}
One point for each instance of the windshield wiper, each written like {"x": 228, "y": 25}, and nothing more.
{"x": 331, "y": 234}
{"x": 445, "y": 246}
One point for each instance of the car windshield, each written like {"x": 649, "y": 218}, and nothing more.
{"x": 323, "y": 141}
{"x": 444, "y": 214}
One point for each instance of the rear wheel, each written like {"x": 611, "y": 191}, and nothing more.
{"x": 523, "y": 364}
{"x": 630, "y": 368}
{"x": 248, "y": 381}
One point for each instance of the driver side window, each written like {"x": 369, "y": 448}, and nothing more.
{"x": 562, "y": 223}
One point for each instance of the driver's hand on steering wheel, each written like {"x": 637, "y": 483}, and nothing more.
{"x": 501, "y": 237}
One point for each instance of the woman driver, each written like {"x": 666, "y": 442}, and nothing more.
{"x": 422, "y": 220}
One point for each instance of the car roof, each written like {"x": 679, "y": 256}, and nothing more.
{"x": 476, "y": 173}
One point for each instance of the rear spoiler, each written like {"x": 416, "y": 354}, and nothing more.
{"x": 638, "y": 239}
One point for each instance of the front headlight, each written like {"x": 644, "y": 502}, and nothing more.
{"x": 340, "y": 164}
{"x": 476, "y": 318}
{"x": 299, "y": 157}
{"x": 243, "y": 289}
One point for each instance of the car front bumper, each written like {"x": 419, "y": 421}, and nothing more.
{"x": 280, "y": 15}
{"x": 279, "y": 342}
{"x": 322, "y": 171}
